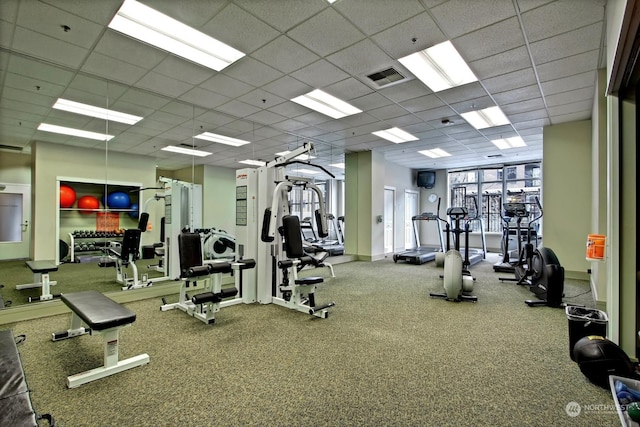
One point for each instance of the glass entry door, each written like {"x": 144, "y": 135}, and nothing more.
{"x": 15, "y": 214}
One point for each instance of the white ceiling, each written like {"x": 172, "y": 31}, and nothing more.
{"x": 536, "y": 59}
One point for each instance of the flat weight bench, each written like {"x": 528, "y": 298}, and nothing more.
{"x": 41, "y": 270}
{"x": 16, "y": 409}
{"x": 104, "y": 316}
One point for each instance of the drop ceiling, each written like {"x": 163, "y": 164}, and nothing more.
{"x": 536, "y": 59}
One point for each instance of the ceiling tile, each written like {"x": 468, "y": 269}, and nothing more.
{"x": 285, "y": 55}
{"x": 569, "y": 66}
{"x": 502, "y": 63}
{"x": 489, "y": 41}
{"x": 459, "y": 17}
{"x": 337, "y": 33}
{"x": 320, "y": 74}
{"x": 283, "y": 14}
{"x": 577, "y": 81}
{"x": 398, "y": 41}
{"x": 252, "y": 72}
{"x": 53, "y": 50}
{"x": 362, "y": 57}
{"x": 549, "y": 20}
{"x": 567, "y": 44}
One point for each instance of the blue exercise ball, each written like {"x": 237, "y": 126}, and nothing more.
{"x": 118, "y": 200}
{"x": 135, "y": 211}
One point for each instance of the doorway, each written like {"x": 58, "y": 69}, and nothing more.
{"x": 389, "y": 219}
{"x": 410, "y": 210}
{"x": 15, "y": 214}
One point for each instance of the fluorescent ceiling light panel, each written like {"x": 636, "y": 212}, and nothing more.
{"x": 506, "y": 143}
{"x": 189, "y": 151}
{"x": 307, "y": 171}
{"x": 395, "y": 134}
{"x": 440, "y": 67}
{"x": 150, "y": 26}
{"x": 90, "y": 110}
{"x": 487, "y": 118}
{"x": 435, "y": 153}
{"x": 326, "y": 104}
{"x": 337, "y": 165}
{"x": 208, "y": 136}
{"x": 253, "y": 162}
{"x": 74, "y": 132}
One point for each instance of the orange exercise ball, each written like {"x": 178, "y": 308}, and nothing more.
{"x": 87, "y": 204}
{"x": 67, "y": 196}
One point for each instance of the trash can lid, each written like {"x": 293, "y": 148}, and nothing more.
{"x": 575, "y": 312}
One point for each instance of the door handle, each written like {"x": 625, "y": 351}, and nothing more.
{"x": 24, "y": 225}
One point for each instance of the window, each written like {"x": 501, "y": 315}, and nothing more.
{"x": 497, "y": 185}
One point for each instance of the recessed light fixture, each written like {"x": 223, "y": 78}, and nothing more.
{"x": 253, "y": 162}
{"x": 395, "y": 134}
{"x": 326, "y": 104}
{"x": 337, "y": 165}
{"x": 440, "y": 67}
{"x": 92, "y": 111}
{"x": 188, "y": 151}
{"x": 208, "y": 136}
{"x": 435, "y": 153}
{"x": 74, "y": 132}
{"x": 506, "y": 143}
{"x": 487, "y": 118}
{"x": 150, "y": 26}
{"x": 300, "y": 157}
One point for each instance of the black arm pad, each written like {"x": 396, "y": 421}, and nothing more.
{"x": 285, "y": 263}
{"x": 246, "y": 263}
{"x": 220, "y": 267}
{"x": 197, "y": 271}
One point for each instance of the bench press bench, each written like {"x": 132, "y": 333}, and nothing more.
{"x": 41, "y": 270}
{"x": 16, "y": 409}
{"x": 102, "y": 316}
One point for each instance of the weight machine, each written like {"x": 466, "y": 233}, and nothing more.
{"x": 182, "y": 212}
{"x": 262, "y": 203}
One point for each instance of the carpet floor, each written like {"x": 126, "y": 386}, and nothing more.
{"x": 388, "y": 354}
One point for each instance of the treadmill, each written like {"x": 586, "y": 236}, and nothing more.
{"x": 422, "y": 254}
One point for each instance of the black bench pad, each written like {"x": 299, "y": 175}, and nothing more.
{"x": 98, "y": 311}
{"x": 17, "y": 411}
{"x": 42, "y": 266}
{"x": 15, "y": 402}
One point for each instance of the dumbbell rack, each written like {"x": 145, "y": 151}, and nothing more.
{"x": 76, "y": 235}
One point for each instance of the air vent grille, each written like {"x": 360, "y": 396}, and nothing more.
{"x": 386, "y": 77}
{"x": 10, "y": 147}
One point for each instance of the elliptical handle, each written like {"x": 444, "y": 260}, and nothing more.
{"x": 539, "y": 207}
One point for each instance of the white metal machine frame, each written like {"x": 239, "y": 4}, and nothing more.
{"x": 262, "y": 195}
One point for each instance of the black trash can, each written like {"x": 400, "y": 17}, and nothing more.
{"x": 583, "y": 322}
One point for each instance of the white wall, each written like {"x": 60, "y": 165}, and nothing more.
{"x": 15, "y": 168}
{"x": 566, "y": 178}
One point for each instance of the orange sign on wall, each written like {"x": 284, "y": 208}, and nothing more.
{"x": 107, "y": 221}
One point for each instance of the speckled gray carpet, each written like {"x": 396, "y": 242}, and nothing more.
{"x": 387, "y": 355}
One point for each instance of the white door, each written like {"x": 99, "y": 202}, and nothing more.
{"x": 389, "y": 213}
{"x": 410, "y": 210}
{"x": 15, "y": 214}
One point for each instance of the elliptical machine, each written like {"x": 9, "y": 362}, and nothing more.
{"x": 523, "y": 269}
{"x": 457, "y": 280}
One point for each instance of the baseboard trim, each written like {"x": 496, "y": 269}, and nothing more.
{"x": 578, "y": 275}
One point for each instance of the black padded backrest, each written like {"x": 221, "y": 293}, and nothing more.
{"x": 292, "y": 236}
{"x": 320, "y": 224}
{"x": 142, "y": 223}
{"x": 130, "y": 244}
{"x": 190, "y": 250}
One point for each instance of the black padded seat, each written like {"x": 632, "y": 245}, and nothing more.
{"x": 309, "y": 281}
{"x": 42, "y": 266}
{"x": 98, "y": 311}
